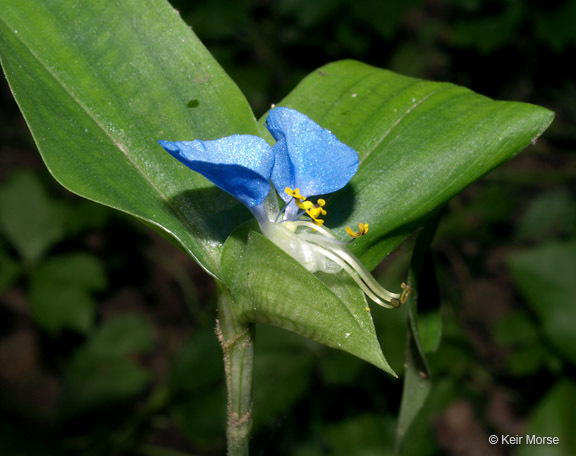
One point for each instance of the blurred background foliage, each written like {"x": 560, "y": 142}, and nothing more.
{"x": 107, "y": 342}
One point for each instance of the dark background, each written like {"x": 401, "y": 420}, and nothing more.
{"x": 119, "y": 356}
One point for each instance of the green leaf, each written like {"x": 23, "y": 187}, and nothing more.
{"x": 122, "y": 336}
{"x": 99, "y": 84}
{"x": 550, "y": 215}
{"x": 101, "y": 371}
{"x": 527, "y": 349}
{"x": 430, "y": 331}
{"x": 270, "y": 287}
{"x": 554, "y": 416}
{"x": 61, "y": 292}
{"x": 31, "y": 221}
{"x": 419, "y": 143}
{"x": 545, "y": 276}
{"x": 93, "y": 382}
{"x": 417, "y": 383}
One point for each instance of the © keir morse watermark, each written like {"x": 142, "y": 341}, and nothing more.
{"x": 527, "y": 439}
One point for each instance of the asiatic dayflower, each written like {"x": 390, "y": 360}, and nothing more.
{"x": 305, "y": 161}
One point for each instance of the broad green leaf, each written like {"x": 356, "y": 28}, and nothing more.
{"x": 99, "y": 83}
{"x": 270, "y": 287}
{"x": 30, "y": 220}
{"x": 61, "y": 292}
{"x": 545, "y": 277}
{"x": 419, "y": 143}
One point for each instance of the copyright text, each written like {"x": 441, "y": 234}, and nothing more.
{"x": 528, "y": 439}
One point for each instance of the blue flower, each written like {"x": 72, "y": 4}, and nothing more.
{"x": 305, "y": 161}
{"x": 308, "y": 157}
{"x": 240, "y": 164}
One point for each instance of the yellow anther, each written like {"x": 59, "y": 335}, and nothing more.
{"x": 313, "y": 210}
{"x": 304, "y": 205}
{"x": 362, "y": 230}
{"x": 406, "y": 292}
{"x": 295, "y": 194}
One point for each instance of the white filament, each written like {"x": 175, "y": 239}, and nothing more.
{"x": 317, "y": 249}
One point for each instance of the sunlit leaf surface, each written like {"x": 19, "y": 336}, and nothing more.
{"x": 99, "y": 83}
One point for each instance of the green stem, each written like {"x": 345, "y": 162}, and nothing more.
{"x": 237, "y": 340}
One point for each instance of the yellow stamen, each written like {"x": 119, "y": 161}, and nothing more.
{"x": 363, "y": 229}
{"x": 295, "y": 193}
{"x": 313, "y": 210}
{"x": 406, "y": 292}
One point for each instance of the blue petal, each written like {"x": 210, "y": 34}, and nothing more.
{"x": 240, "y": 164}
{"x": 307, "y": 156}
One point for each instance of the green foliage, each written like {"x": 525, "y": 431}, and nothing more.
{"x": 555, "y": 27}
{"x": 404, "y": 129}
{"x": 488, "y": 33}
{"x": 197, "y": 380}
{"x": 109, "y": 108}
{"x": 109, "y": 122}
{"x": 61, "y": 287}
{"x": 329, "y": 309}
{"x": 283, "y": 363}
{"x": 417, "y": 382}
{"x": 61, "y": 291}
{"x": 101, "y": 371}
{"x": 553, "y": 416}
{"x": 430, "y": 331}
{"x": 409, "y": 128}
{"x": 529, "y": 350}
{"x": 39, "y": 226}
{"x": 374, "y": 433}
{"x": 551, "y": 214}
{"x": 545, "y": 276}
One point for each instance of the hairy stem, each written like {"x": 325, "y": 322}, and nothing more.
{"x": 237, "y": 340}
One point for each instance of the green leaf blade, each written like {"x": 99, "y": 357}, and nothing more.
{"x": 100, "y": 84}
{"x": 270, "y": 287}
{"x": 419, "y": 144}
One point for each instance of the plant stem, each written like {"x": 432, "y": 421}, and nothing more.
{"x": 237, "y": 340}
